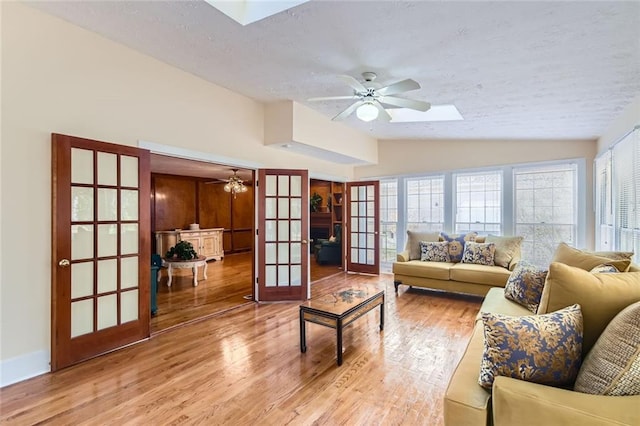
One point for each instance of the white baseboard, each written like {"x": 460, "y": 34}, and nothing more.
{"x": 24, "y": 367}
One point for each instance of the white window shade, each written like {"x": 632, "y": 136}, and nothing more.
{"x": 625, "y": 164}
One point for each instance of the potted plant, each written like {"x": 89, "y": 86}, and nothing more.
{"x": 183, "y": 250}
{"x": 315, "y": 201}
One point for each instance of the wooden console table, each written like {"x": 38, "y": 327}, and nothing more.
{"x": 192, "y": 264}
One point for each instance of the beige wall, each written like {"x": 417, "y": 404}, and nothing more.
{"x": 406, "y": 157}
{"x": 57, "y": 77}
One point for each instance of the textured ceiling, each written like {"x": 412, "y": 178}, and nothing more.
{"x": 524, "y": 70}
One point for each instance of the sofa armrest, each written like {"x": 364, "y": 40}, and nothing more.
{"x": 516, "y": 402}
{"x": 403, "y": 256}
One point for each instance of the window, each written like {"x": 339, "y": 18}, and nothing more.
{"x": 545, "y": 209}
{"x": 478, "y": 202}
{"x": 604, "y": 203}
{"x": 388, "y": 220}
{"x": 625, "y": 165}
{"x": 425, "y": 203}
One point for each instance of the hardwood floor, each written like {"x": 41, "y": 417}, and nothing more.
{"x": 227, "y": 286}
{"x": 245, "y": 367}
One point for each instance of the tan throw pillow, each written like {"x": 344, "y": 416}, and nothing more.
{"x": 613, "y": 365}
{"x": 601, "y": 296}
{"x": 413, "y": 242}
{"x": 583, "y": 260}
{"x": 507, "y": 249}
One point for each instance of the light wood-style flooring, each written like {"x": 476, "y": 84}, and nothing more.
{"x": 244, "y": 367}
{"x": 228, "y": 285}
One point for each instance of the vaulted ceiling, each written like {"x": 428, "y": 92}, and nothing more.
{"x": 534, "y": 70}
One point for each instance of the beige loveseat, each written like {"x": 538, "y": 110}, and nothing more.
{"x": 517, "y": 402}
{"x": 453, "y": 277}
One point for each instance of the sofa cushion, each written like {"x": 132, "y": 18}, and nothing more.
{"x": 413, "y": 242}
{"x": 613, "y": 365}
{"x": 465, "y": 402}
{"x": 525, "y": 285}
{"x": 584, "y": 260}
{"x": 601, "y": 296}
{"x": 478, "y": 253}
{"x": 434, "y": 251}
{"x": 416, "y": 268}
{"x": 496, "y": 303}
{"x": 456, "y": 244}
{"x": 507, "y": 249}
{"x": 543, "y": 349}
{"x": 479, "y": 274}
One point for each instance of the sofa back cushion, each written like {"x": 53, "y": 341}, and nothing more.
{"x": 601, "y": 296}
{"x": 585, "y": 260}
{"x": 508, "y": 250}
{"x": 413, "y": 242}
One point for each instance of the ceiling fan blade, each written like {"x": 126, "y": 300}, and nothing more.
{"x": 348, "y": 111}
{"x": 399, "y": 87}
{"x": 355, "y": 84}
{"x": 332, "y": 98}
{"x": 384, "y": 115}
{"x": 405, "y": 103}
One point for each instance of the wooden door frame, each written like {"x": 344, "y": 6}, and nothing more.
{"x": 367, "y": 269}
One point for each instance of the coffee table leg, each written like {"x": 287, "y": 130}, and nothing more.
{"x": 339, "y": 343}
{"x": 195, "y": 275}
{"x": 303, "y": 337}
{"x": 170, "y": 272}
{"x": 204, "y": 272}
{"x": 382, "y": 314}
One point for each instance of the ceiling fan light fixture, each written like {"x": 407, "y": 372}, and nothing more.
{"x": 367, "y": 112}
{"x": 235, "y": 184}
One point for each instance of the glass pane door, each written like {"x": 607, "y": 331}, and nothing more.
{"x": 363, "y": 227}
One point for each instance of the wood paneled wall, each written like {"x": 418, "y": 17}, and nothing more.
{"x": 177, "y": 201}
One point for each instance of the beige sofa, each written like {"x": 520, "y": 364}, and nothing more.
{"x": 516, "y": 402}
{"x": 453, "y": 277}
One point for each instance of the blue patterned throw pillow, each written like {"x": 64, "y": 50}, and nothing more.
{"x": 479, "y": 253}
{"x": 434, "y": 251}
{"x": 456, "y": 244}
{"x": 525, "y": 285}
{"x": 542, "y": 349}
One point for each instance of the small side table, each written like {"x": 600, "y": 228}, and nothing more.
{"x": 192, "y": 264}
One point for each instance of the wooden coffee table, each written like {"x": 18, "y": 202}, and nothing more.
{"x": 339, "y": 309}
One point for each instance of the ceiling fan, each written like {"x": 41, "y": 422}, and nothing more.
{"x": 371, "y": 100}
{"x": 234, "y": 184}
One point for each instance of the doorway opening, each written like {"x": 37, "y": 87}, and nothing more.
{"x": 189, "y": 202}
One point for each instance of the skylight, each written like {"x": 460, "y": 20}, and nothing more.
{"x": 248, "y": 11}
{"x": 435, "y": 113}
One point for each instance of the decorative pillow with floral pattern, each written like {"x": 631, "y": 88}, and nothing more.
{"x": 478, "y": 253}
{"x": 525, "y": 285}
{"x": 543, "y": 349}
{"x": 456, "y": 244}
{"x": 434, "y": 251}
